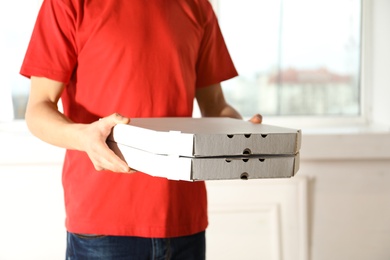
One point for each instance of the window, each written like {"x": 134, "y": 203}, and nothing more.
{"x": 295, "y": 58}
{"x": 17, "y": 18}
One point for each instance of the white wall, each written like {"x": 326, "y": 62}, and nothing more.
{"x": 31, "y": 198}
{"x": 349, "y": 195}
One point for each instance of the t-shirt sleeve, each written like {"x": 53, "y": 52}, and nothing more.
{"x": 214, "y": 63}
{"x": 51, "y": 52}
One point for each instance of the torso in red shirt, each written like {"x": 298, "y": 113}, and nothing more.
{"x": 141, "y": 59}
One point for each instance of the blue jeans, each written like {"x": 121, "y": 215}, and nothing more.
{"x": 84, "y": 247}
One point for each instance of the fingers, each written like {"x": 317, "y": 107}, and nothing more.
{"x": 111, "y": 162}
{"x": 102, "y": 157}
{"x": 256, "y": 119}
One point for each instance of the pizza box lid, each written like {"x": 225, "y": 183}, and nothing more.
{"x": 204, "y": 137}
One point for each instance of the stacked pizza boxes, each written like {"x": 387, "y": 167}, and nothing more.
{"x": 193, "y": 149}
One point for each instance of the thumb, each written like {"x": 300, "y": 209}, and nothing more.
{"x": 118, "y": 119}
{"x": 110, "y": 121}
{"x": 256, "y": 119}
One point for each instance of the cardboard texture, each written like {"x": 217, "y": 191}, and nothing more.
{"x": 207, "y": 148}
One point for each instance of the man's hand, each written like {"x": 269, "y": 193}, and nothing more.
{"x": 94, "y": 144}
{"x": 256, "y": 119}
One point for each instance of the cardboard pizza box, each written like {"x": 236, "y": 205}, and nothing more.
{"x": 207, "y": 148}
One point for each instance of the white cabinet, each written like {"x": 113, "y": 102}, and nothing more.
{"x": 258, "y": 219}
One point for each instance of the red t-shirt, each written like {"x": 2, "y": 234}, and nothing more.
{"x": 141, "y": 59}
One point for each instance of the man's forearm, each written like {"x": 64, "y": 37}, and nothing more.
{"x": 50, "y": 125}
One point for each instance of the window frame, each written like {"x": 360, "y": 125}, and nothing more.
{"x": 319, "y": 121}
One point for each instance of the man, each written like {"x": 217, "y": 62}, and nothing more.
{"x": 114, "y": 60}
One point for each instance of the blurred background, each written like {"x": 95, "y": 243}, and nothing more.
{"x": 320, "y": 66}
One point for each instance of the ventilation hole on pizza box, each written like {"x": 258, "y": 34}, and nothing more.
{"x": 261, "y": 159}
{"x": 264, "y": 136}
{"x": 247, "y": 135}
{"x": 247, "y": 151}
{"x": 244, "y": 176}
{"x": 228, "y": 160}
{"x": 230, "y": 136}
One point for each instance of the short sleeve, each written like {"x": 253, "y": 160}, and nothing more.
{"x": 52, "y": 51}
{"x": 214, "y": 63}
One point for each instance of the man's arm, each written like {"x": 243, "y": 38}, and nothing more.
{"x": 212, "y": 103}
{"x": 50, "y": 125}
